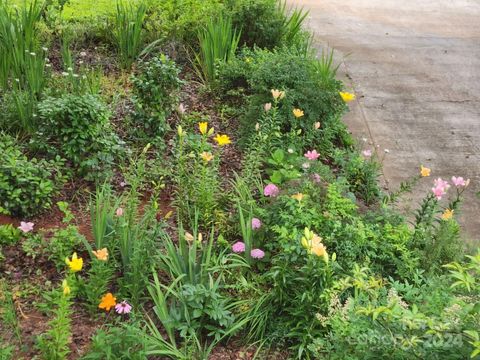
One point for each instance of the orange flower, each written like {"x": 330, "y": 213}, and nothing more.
{"x": 108, "y": 301}
{"x": 447, "y": 214}
{"x": 424, "y": 171}
{"x": 101, "y": 254}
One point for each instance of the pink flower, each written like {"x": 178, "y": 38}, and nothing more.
{"x": 458, "y": 181}
{"x": 438, "y": 192}
{"x": 367, "y": 153}
{"x": 441, "y": 184}
{"x": 312, "y": 155}
{"x": 26, "y": 226}
{"x": 119, "y": 212}
{"x": 123, "y": 307}
{"x": 238, "y": 247}
{"x": 257, "y": 253}
{"x": 316, "y": 178}
{"x": 271, "y": 190}
{"x": 256, "y": 224}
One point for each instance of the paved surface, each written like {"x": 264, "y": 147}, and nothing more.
{"x": 415, "y": 67}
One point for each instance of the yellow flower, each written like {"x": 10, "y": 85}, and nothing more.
{"x": 75, "y": 264}
{"x": 66, "y": 288}
{"x": 298, "y": 196}
{"x": 346, "y": 96}
{"x": 297, "y": 113}
{"x": 222, "y": 140}
{"x": 206, "y": 156}
{"x": 203, "y": 126}
{"x": 317, "y": 125}
{"x": 447, "y": 214}
{"x": 101, "y": 254}
{"x": 424, "y": 171}
{"x": 108, "y": 301}
{"x": 277, "y": 94}
{"x": 313, "y": 243}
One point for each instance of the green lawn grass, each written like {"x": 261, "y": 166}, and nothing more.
{"x": 82, "y": 8}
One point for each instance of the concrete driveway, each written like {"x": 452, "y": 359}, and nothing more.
{"x": 415, "y": 67}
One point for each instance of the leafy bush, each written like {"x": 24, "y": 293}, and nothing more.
{"x": 156, "y": 94}
{"x": 26, "y": 186}
{"x": 266, "y": 24}
{"x": 77, "y": 128}
{"x": 260, "y": 21}
{"x": 258, "y": 72}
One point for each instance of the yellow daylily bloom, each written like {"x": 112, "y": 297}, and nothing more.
{"x": 203, "y": 126}
{"x": 101, "y": 254}
{"x": 277, "y": 94}
{"x": 206, "y": 156}
{"x": 75, "y": 264}
{"x": 297, "y": 113}
{"x": 65, "y": 287}
{"x": 447, "y": 214}
{"x": 424, "y": 171}
{"x": 313, "y": 244}
{"x": 298, "y": 196}
{"x": 222, "y": 140}
{"x": 346, "y": 96}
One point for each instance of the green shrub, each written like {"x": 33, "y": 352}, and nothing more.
{"x": 257, "y": 72}
{"x": 26, "y": 186}
{"x": 156, "y": 89}
{"x": 77, "y": 128}
{"x": 260, "y": 21}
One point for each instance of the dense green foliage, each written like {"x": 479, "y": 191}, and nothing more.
{"x": 26, "y": 185}
{"x": 241, "y": 215}
{"x": 77, "y": 128}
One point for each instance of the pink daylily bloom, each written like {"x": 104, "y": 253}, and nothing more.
{"x": 312, "y": 155}
{"x": 438, "y": 191}
{"x": 458, "y": 181}
{"x": 26, "y": 226}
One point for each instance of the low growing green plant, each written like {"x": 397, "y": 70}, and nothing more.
{"x": 26, "y": 185}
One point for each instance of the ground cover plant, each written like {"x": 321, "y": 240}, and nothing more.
{"x": 176, "y": 182}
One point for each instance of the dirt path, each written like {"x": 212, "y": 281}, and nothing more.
{"x": 415, "y": 66}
